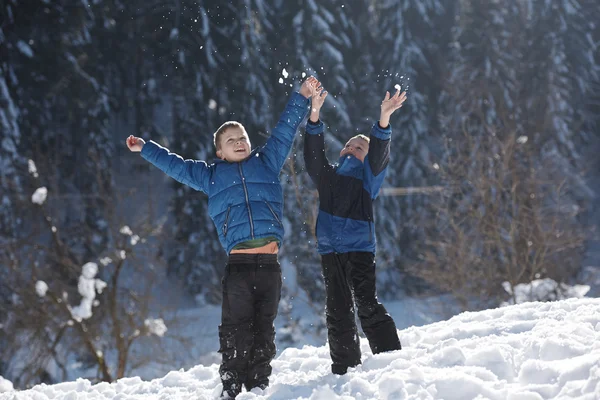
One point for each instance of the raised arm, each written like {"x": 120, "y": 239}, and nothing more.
{"x": 314, "y": 141}
{"x": 279, "y": 144}
{"x": 379, "y": 146}
{"x": 194, "y": 173}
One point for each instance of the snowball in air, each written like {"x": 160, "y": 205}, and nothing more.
{"x": 39, "y": 196}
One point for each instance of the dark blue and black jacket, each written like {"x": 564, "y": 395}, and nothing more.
{"x": 245, "y": 199}
{"x": 346, "y": 190}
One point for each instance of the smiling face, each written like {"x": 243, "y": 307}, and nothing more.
{"x": 358, "y": 147}
{"x": 234, "y": 145}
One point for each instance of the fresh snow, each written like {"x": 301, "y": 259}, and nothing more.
{"x": 41, "y": 288}
{"x": 88, "y": 286}
{"x": 528, "y": 351}
{"x": 39, "y": 196}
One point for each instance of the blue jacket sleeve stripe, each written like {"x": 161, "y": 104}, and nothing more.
{"x": 279, "y": 144}
{"x": 193, "y": 173}
{"x": 314, "y": 128}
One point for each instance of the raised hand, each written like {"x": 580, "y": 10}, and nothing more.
{"x": 318, "y": 98}
{"x": 134, "y": 143}
{"x": 306, "y": 88}
{"x": 389, "y": 105}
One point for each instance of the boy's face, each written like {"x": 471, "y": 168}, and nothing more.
{"x": 357, "y": 147}
{"x": 235, "y": 145}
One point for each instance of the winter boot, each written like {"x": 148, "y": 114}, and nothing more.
{"x": 231, "y": 385}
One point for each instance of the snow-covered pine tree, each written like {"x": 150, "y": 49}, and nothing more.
{"x": 67, "y": 136}
{"x": 411, "y": 40}
{"x": 558, "y": 74}
{"x": 506, "y": 109}
{"x": 50, "y": 83}
{"x": 11, "y": 137}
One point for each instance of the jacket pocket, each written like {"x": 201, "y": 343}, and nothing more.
{"x": 224, "y": 228}
{"x": 273, "y": 212}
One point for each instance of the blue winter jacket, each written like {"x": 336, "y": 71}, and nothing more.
{"x": 245, "y": 199}
{"x": 346, "y": 190}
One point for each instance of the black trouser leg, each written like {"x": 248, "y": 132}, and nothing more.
{"x": 236, "y": 332}
{"x": 344, "y": 345}
{"x": 376, "y": 323}
{"x": 266, "y": 303}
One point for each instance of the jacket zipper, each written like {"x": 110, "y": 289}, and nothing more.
{"x": 273, "y": 212}
{"x": 226, "y": 221}
{"x": 247, "y": 201}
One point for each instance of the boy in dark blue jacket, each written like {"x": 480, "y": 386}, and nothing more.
{"x": 346, "y": 235}
{"x": 245, "y": 202}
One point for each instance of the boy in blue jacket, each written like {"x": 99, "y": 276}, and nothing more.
{"x": 346, "y": 233}
{"x": 245, "y": 202}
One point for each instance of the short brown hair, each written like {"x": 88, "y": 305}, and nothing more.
{"x": 222, "y": 129}
{"x": 361, "y": 136}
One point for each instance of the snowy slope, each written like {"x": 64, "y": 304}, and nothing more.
{"x": 529, "y": 351}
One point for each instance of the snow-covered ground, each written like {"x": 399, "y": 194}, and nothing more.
{"x": 528, "y": 351}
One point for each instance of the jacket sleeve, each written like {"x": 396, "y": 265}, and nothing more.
{"x": 279, "y": 144}
{"x": 315, "y": 159}
{"x": 193, "y": 173}
{"x": 377, "y": 159}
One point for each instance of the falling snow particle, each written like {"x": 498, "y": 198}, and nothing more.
{"x": 522, "y": 139}
{"x": 280, "y": 80}
{"x": 284, "y": 73}
{"x": 212, "y": 104}
{"x": 397, "y": 87}
{"x": 126, "y": 230}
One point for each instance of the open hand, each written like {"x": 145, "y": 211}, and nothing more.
{"x": 391, "y": 104}
{"x": 135, "y": 144}
{"x": 318, "y": 98}
{"x": 306, "y": 88}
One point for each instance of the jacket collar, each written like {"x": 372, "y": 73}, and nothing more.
{"x": 350, "y": 166}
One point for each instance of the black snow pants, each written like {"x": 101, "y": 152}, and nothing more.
{"x": 251, "y": 294}
{"x": 349, "y": 280}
